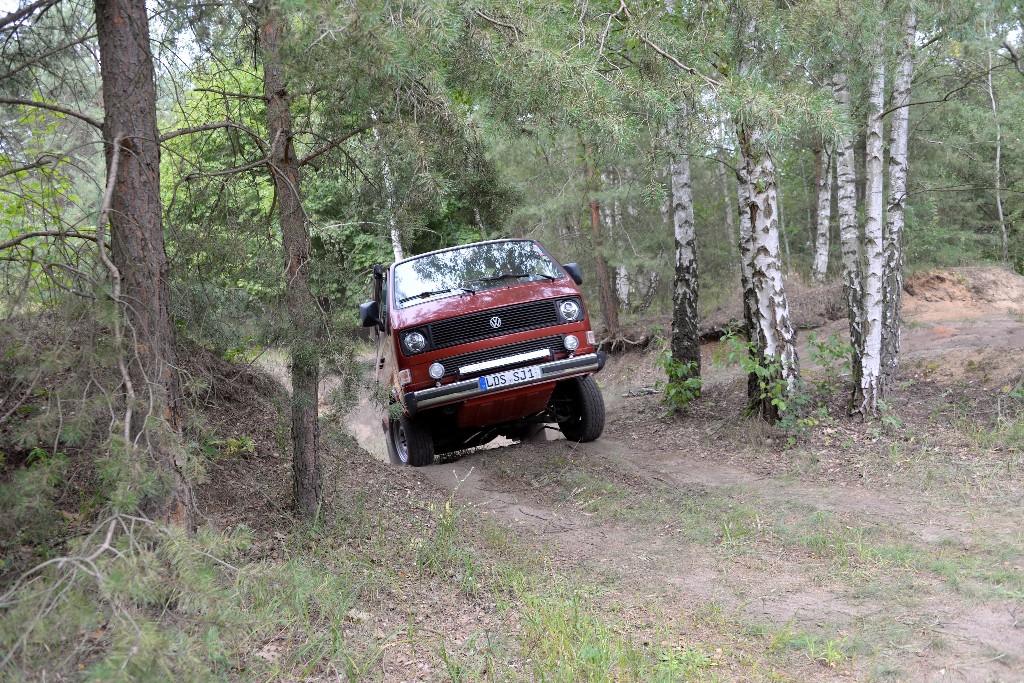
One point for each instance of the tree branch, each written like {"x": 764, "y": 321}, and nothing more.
{"x": 49, "y": 53}
{"x": 240, "y": 95}
{"x": 43, "y": 160}
{"x": 944, "y": 98}
{"x": 332, "y": 144}
{"x": 1014, "y": 56}
{"x": 27, "y": 10}
{"x": 53, "y": 107}
{"x": 44, "y": 233}
{"x": 492, "y": 20}
{"x": 680, "y": 65}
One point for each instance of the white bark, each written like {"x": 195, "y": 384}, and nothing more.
{"x": 622, "y": 287}
{"x": 899, "y": 134}
{"x": 775, "y": 335}
{"x": 999, "y": 156}
{"x": 871, "y": 352}
{"x": 727, "y": 195}
{"x": 823, "y": 216}
{"x": 389, "y": 194}
{"x": 685, "y": 335}
{"x": 846, "y": 195}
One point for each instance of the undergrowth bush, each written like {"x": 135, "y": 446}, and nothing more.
{"x": 681, "y": 385}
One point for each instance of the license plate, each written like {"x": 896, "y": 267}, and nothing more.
{"x": 499, "y": 380}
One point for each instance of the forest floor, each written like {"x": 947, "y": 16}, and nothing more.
{"x": 697, "y": 547}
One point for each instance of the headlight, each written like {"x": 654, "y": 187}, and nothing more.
{"x": 414, "y": 342}
{"x": 569, "y": 310}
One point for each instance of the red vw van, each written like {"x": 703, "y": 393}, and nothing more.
{"x": 482, "y": 340}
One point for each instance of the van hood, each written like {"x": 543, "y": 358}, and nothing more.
{"x": 462, "y": 303}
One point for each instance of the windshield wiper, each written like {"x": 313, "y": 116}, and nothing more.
{"x": 432, "y": 292}
{"x": 512, "y": 276}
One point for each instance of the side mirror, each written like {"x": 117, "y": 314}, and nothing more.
{"x": 574, "y": 272}
{"x": 369, "y": 314}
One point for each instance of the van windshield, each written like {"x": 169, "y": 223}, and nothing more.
{"x": 471, "y": 269}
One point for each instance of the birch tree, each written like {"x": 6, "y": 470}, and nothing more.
{"x": 849, "y": 238}
{"x": 772, "y": 333}
{"x": 685, "y": 333}
{"x": 868, "y": 390}
{"x": 823, "y": 214}
{"x": 899, "y": 135}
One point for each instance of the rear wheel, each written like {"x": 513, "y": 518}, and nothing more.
{"x": 411, "y": 442}
{"x": 585, "y": 409}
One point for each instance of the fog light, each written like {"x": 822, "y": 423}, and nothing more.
{"x": 569, "y": 309}
{"x": 436, "y": 370}
{"x": 571, "y": 342}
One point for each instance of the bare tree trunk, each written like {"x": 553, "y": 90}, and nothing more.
{"x": 846, "y": 192}
{"x": 139, "y": 261}
{"x": 823, "y": 183}
{"x": 302, "y": 313}
{"x": 622, "y": 287}
{"x": 685, "y": 333}
{"x": 869, "y": 391}
{"x": 775, "y": 340}
{"x": 390, "y": 211}
{"x": 899, "y": 133}
{"x": 727, "y": 198}
{"x": 999, "y": 157}
{"x": 609, "y": 311}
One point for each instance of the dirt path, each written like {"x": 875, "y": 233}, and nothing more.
{"x": 698, "y": 512}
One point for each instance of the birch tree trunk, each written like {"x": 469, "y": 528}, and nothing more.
{"x": 727, "y": 202}
{"x": 685, "y": 334}
{"x": 899, "y": 134}
{"x": 999, "y": 157}
{"x": 138, "y": 264}
{"x": 305, "y": 356}
{"x": 390, "y": 198}
{"x": 867, "y": 393}
{"x": 772, "y": 330}
{"x": 846, "y": 194}
{"x": 609, "y": 310}
{"x": 823, "y": 183}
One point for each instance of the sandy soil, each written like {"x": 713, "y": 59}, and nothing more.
{"x": 964, "y": 334}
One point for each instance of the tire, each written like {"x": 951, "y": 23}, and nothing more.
{"x": 587, "y": 420}
{"x": 410, "y": 442}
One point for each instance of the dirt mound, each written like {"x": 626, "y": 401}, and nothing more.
{"x": 963, "y": 293}
{"x": 810, "y": 307}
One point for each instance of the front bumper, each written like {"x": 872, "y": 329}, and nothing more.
{"x": 470, "y": 388}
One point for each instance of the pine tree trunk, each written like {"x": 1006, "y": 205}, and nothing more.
{"x": 823, "y": 183}
{"x": 846, "y": 193}
{"x": 899, "y": 134}
{"x": 775, "y": 340}
{"x": 685, "y": 333}
{"x": 305, "y": 356}
{"x": 609, "y": 311}
{"x": 139, "y": 261}
{"x": 866, "y": 401}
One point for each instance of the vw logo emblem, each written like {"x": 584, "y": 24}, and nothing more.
{"x": 495, "y": 322}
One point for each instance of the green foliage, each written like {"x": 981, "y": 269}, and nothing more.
{"x": 833, "y": 356}
{"x": 768, "y": 375}
{"x": 28, "y": 514}
{"x": 682, "y": 384}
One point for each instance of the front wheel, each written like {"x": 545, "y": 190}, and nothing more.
{"x": 411, "y": 441}
{"x": 585, "y": 419}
